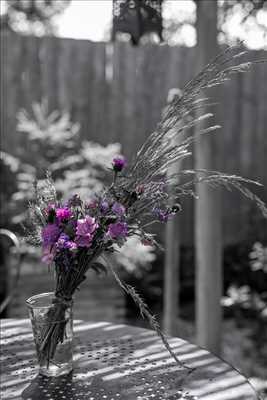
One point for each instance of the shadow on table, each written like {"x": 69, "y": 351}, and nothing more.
{"x": 56, "y": 388}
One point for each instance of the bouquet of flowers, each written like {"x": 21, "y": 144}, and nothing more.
{"x": 80, "y": 235}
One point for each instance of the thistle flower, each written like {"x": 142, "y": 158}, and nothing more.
{"x": 119, "y": 163}
{"x": 50, "y": 234}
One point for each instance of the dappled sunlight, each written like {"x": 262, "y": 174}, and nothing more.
{"x": 118, "y": 362}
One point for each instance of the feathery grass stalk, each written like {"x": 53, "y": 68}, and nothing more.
{"x": 144, "y": 311}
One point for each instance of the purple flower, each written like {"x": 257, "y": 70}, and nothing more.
{"x": 162, "y": 215}
{"x": 118, "y": 209}
{"x": 50, "y": 234}
{"x": 63, "y": 214}
{"x": 104, "y": 206}
{"x": 118, "y": 230}
{"x": 64, "y": 242}
{"x": 84, "y": 241}
{"x": 118, "y": 163}
{"x": 85, "y": 231}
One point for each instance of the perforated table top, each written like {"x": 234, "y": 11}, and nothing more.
{"x": 116, "y": 362}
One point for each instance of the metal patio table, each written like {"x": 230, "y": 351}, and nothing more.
{"x": 116, "y": 362}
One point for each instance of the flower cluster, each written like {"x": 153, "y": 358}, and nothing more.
{"x": 71, "y": 228}
{"x": 78, "y": 226}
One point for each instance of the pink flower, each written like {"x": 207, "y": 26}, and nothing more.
{"x": 146, "y": 242}
{"x": 85, "y": 231}
{"x": 86, "y": 225}
{"x": 63, "y": 214}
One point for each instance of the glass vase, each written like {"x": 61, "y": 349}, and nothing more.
{"x": 52, "y": 325}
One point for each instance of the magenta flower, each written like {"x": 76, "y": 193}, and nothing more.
{"x": 118, "y": 230}
{"x": 118, "y": 209}
{"x": 50, "y": 234}
{"x": 63, "y": 214}
{"x": 118, "y": 163}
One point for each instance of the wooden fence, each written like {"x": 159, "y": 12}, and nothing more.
{"x": 117, "y": 95}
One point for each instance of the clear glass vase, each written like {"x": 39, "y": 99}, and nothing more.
{"x": 52, "y": 325}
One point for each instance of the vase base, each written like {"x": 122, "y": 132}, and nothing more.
{"x": 54, "y": 370}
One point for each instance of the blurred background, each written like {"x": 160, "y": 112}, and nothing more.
{"x": 82, "y": 81}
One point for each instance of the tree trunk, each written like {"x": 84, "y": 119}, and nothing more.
{"x": 171, "y": 277}
{"x": 172, "y": 256}
{"x": 208, "y": 241}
